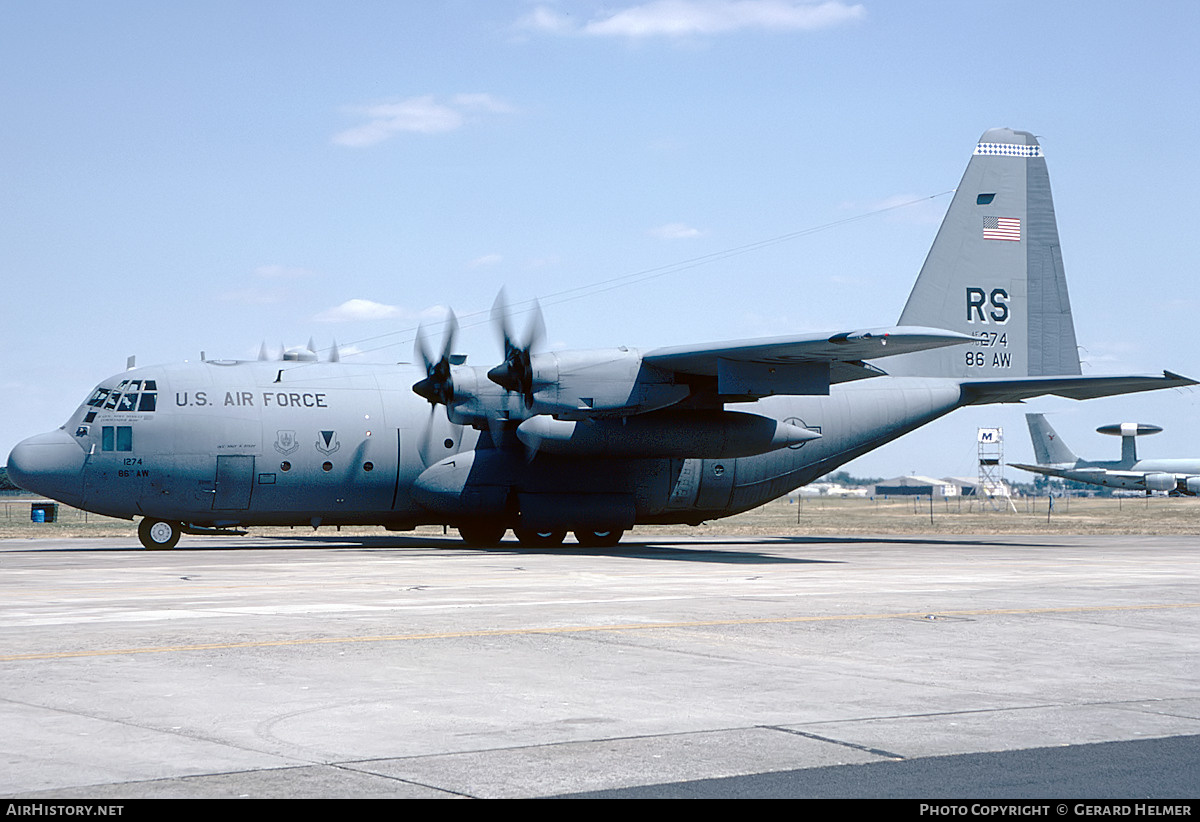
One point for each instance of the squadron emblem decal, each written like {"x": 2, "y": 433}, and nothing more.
{"x": 286, "y": 442}
{"x": 327, "y": 442}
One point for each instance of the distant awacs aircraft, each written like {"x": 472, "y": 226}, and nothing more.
{"x": 1055, "y": 459}
{"x": 592, "y": 441}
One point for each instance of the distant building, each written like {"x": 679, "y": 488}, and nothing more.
{"x": 916, "y": 486}
{"x": 829, "y": 489}
{"x": 969, "y": 487}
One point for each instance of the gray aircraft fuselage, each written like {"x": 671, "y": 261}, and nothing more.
{"x": 224, "y": 443}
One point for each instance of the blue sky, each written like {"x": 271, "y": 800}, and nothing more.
{"x": 179, "y": 178}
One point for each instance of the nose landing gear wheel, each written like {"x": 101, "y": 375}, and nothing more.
{"x": 599, "y": 539}
{"x": 158, "y": 535}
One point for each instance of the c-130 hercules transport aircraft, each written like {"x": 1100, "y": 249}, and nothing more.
{"x": 590, "y": 441}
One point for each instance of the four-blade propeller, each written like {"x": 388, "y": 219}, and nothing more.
{"x": 438, "y": 385}
{"x": 516, "y": 372}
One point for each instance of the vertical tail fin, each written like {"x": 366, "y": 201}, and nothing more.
{"x": 995, "y": 271}
{"x": 1048, "y": 447}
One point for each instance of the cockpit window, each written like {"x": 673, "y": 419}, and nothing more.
{"x": 129, "y": 395}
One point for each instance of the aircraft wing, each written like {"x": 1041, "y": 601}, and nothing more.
{"x": 802, "y": 364}
{"x": 978, "y": 392}
{"x": 1079, "y": 474}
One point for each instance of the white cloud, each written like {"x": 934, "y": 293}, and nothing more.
{"x": 547, "y": 20}
{"x": 360, "y": 310}
{"x": 675, "y": 231}
{"x": 683, "y": 18}
{"x": 482, "y": 102}
{"x": 419, "y": 115}
{"x": 485, "y": 260}
{"x": 356, "y": 310}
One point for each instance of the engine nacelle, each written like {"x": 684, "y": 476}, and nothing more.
{"x": 469, "y": 484}
{"x": 600, "y": 382}
{"x": 673, "y": 434}
{"x": 1160, "y": 482}
{"x": 1191, "y": 485}
{"x": 570, "y": 385}
{"x": 478, "y": 401}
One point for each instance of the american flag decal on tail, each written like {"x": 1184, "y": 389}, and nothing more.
{"x": 1002, "y": 228}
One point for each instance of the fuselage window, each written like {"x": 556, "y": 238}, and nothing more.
{"x": 118, "y": 438}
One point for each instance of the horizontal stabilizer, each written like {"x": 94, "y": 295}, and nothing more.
{"x": 1037, "y": 469}
{"x": 979, "y": 392}
{"x": 1054, "y": 471}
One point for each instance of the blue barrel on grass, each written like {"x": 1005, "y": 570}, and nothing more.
{"x": 44, "y": 511}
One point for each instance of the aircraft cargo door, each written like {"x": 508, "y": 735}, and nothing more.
{"x": 234, "y": 477}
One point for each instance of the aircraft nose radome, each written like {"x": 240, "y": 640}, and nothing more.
{"x": 49, "y": 464}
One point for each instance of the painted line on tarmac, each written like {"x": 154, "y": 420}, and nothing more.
{"x": 644, "y": 626}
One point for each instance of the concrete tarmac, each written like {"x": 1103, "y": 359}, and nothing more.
{"x": 334, "y": 666}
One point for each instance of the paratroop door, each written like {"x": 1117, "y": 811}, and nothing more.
{"x": 234, "y": 477}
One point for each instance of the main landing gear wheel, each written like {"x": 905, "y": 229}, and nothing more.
{"x": 158, "y": 535}
{"x": 543, "y": 539}
{"x": 599, "y": 539}
{"x": 482, "y": 534}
